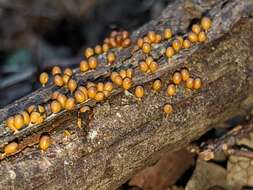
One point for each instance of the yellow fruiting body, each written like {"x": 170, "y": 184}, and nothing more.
{"x": 151, "y": 36}
{"x": 41, "y": 109}
{"x": 98, "y": 49}
{"x": 53, "y": 97}
{"x": 79, "y": 96}
{"x": 88, "y": 52}
{"x": 185, "y": 74}
{"x": 83, "y": 90}
{"x": 139, "y": 92}
{"x": 118, "y": 80}
{"x": 58, "y": 81}
{"x": 146, "y": 39}
{"x": 11, "y": 148}
{"x": 62, "y": 99}
{"x": 176, "y": 44}
{"x": 169, "y": 52}
{"x": 31, "y": 108}
{"x": 126, "y": 43}
{"x": 18, "y": 121}
{"x": 140, "y": 42}
{"x": 193, "y": 37}
{"x": 202, "y": 36}
{"x": 189, "y": 83}
{"x": 143, "y": 67}
{"x": 125, "y": 34}
{"x": 107, "y": 41}
{"x": 40, "y": 120}
{"x": 167, "y": 33}
{"x": 111, "y": 57}
{"x": 84, "y": 66}
{"x": 72, "y": 85}
{"x": 181, "y": 40}
{"x": 196, "y": 28}
{"x": 118, "y": 40}
{"x": 68, "y": 71}
{"x": 45, "y": 142}
{"x": 171, "y": 90}
{"x": 167, "y": 109}
{"x": 146, "y": 48}
{"x": 197, "y": 83}
{"x": 149, "y": 60}
{"x": 56, "y": 70}
{"x": 65, "y": 79}
{"x": 177, "y": 78}
{"x": 127, "y": 83}
{"x": 186, "y": 44}
{"x": 10, "y": 124}
{"x": 123, "y": 74}
{"x": 157, "y": 85}
{"x": 106, "y": 93}
{"x": 44, "y": 78}
{"x": 108, "y": 86}
{"x": 35, "y": 117}
{"x": 92, "y": 61}
{"x": 206, "y": 23}
{"x": 105, "y": 47}
{"x": 153, "y": 67}
{"x": 129, "y": 73}
{"x": 92, "y": 91}
{"x": 112, "y": 42}
{"x": 100, "y": 86}
{"x": 70, "y": 104}
{"x": 113, "y": 75}
{"x": 158, "y": 38}
{"x": 99, "y": 96}
{"x": 55, "y": 106}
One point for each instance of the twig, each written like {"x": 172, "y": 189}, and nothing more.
{"x": 241, "y": 153}
{"x": 224, "y": 143}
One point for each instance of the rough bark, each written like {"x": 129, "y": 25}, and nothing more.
{"x": 124, "y": 135}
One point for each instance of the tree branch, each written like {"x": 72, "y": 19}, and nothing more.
{"x": 125, "y": 135}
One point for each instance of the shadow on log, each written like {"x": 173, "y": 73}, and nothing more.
{"x": 125, "y": 135}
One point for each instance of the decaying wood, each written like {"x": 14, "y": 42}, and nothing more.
{"x": 124, "y": 134}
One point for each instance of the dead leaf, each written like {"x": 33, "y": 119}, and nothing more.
{"x": 207, "y": 175}
{"x": 165, "y": 172}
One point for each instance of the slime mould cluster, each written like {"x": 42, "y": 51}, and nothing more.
{"x": 78, "y": 94}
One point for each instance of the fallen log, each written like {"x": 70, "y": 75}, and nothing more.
{"x": 124, "y": 135}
